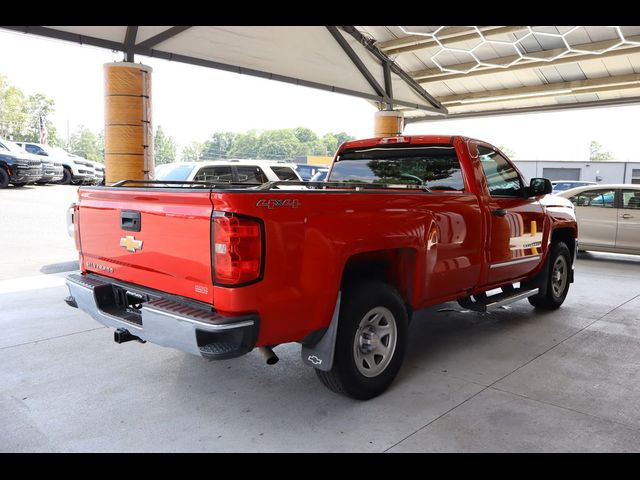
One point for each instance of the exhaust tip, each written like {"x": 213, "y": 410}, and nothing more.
{"x": 269, "y": 356}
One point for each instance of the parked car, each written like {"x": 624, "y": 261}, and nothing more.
{"x": 17, "y": 166}
{"x": 608, "y": 217}
{"x": 236, "y": 171}
{"x": 99, "y": 173}
{"x": 562, "y": 185}
{"x": 306, "y": 171}
{"x": 220, "y": 269}
{"x": 76, "y": 170}
{"x": 51, "y": 169}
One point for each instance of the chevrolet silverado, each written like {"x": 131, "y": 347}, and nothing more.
{"x": 402, "y": 223}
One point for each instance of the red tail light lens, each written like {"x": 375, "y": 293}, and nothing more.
{"x": 237, "y": 250}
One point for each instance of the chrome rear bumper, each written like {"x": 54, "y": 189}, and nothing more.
{"x": 162, "y": 319}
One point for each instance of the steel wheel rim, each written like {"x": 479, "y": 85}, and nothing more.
{"x": 559, "y": 275}
{"x": 375, "y": 341}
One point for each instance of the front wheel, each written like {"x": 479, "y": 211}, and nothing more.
{"x": 557, "y": 281}
{"x": 66, "y": 177}
{"x": 371, "y": 341}
{"x": 4, "y": 178}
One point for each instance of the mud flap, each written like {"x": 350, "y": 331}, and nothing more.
{"x": 320, "y": 355}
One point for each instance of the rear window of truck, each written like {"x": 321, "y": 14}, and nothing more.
{"x": 433, "y": 166}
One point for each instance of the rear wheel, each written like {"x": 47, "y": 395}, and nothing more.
{"x": 557, "y": 281}
{"x": 371, "y": 341}
{"x": 4, "y": 178}
{"x": 66, "y": 177}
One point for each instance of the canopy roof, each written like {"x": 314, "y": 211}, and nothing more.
{"x": 429, "y": 72}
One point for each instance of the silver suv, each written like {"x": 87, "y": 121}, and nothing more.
{"x": 76, "y": 169}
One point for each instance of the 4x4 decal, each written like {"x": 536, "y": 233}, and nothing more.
{"x": 273, "y": 203}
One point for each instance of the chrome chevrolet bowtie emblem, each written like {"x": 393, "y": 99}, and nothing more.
{"x": 130, "y": 243}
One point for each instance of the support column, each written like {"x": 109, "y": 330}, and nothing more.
{"x": 388, "y": 123}
{"x": 128, "y": 132}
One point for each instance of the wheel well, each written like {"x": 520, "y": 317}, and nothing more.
{"x": 395, "y": 267}
{"x": 566, "y": 235}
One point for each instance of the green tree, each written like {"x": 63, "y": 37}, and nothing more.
{"x": 343, "y": 137}
{"x": 164, "y": 147}
{"x": 331, "y": 144}
{"x": 20, "y": 115}
{"x": 305, "y": 135}
{"x": 13, "y": 117}
{"x": 597, "y": 154}
{"x": 245, "y": 145}
{"x": 85, "y": 143}
{"x": 278, "y": 144}
{"x": 219, "y": 145}
{"x": 192, "y": 152}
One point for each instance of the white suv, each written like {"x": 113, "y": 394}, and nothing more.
{"x": 76, "y": 169}
{"x": 236, "y": 171}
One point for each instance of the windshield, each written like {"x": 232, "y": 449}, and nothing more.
{"x": 433, "y": 166}
{"x": 12, "y": 147}
{"x": 175, "y": 172}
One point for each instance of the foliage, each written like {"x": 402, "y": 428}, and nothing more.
{"x": 20, "y": 114}
{"x": 85, "y": 143}
{"x": 596, "y": 154}
{"x": 284, "y": 143}
{"x": 164, "y": 147}
{"x": 218, "y": 145}
{"x": 192, "y": 152}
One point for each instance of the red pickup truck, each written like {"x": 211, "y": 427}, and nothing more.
{"x": 402, "y": 223}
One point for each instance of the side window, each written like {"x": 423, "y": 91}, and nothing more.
{"x": 285, "y": 173}
{"x": 595, "y": 198}
{"x": 214, "y": 174}
{"x": 33, "y": 149}
{"x": 502, "y": 179}
{"x": 631, "y": 199}
{"x": 250, "y": 174}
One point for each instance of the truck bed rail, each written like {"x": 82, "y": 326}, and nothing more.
{"x": 272, "y": 185}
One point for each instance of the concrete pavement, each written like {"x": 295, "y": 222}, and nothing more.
{"x": 513, "y": 380}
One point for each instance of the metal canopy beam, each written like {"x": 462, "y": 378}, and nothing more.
{"x": 446, "y": 36}
{"x": 129, "y": 41}
{"x": 139, "y": 49}
{"x": 358, "y": 62}
{"x": 436, "y": 75}
{"x": 556, "y": 89}
{"x": 613, "y": 102}
{"x": 370, "y": 45}
{"x": 162, "y": 36}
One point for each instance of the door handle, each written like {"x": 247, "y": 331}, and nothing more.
{"x": 498, "y": 212}
{"x": 627, "y": 215}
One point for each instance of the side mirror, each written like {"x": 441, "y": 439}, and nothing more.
{"x": 539, "y": 186}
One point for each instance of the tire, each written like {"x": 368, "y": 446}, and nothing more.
{"x": 4, "y": 178}
{"x": 557, "y": 281}
{"x": 367, "y": 310}
{"x": 66, "y": 177}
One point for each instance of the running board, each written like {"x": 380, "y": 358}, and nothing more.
{"x": 485, "y": 304}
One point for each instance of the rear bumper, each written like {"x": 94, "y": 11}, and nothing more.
{"x": 163, "y": 319}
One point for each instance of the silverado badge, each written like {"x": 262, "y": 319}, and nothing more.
{"x": 130, "y": 243}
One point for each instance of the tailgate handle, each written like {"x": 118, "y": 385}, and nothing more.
{"x": 130, "y": 220}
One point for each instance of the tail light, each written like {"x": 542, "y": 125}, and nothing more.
{"x": 238, "y": 249}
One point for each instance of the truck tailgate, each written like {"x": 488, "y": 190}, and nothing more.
{"x": 170, "y": 249}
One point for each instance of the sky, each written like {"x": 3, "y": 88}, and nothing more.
{"x": 191, "y": 103}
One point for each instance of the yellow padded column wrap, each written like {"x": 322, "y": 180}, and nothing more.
{"x": 128, "y": 132}
{"x": 388, "y": 123}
